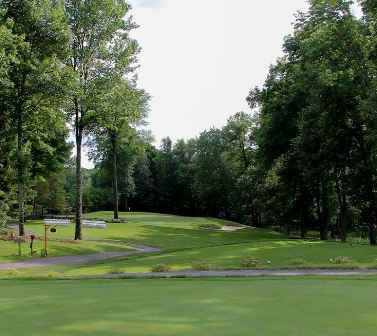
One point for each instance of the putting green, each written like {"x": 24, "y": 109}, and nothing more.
{"x": 263, "y": 307}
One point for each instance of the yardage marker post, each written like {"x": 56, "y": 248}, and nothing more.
{"x": 51, "y": 224}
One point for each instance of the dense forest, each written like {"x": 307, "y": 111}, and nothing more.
{"x": 303, "y": 158}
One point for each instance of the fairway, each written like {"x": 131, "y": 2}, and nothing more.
{"x": 183, "y": 242}
{"x": 218, "y": 307}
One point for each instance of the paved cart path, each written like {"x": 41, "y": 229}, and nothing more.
{"x": 237, "y": 273}
{"x": 81, "y": 259}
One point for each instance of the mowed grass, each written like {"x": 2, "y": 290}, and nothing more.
{"x": 9, "y": 250}
{"x": 210, "y": 307}
{"x": 183, "y": 243}
{"x": 271, "y": 255}
{"x": 168, "y": 232}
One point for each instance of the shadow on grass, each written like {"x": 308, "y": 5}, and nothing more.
{"x": 168, "y": 238}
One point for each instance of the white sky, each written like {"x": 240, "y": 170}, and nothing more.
{"x": 200, "y": 58}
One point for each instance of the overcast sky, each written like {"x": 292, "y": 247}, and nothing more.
{"x": 200, "y": 58}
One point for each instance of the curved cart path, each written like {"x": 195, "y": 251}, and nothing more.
{"x": 86, "y": 258}
{"x": 237, "y": 273}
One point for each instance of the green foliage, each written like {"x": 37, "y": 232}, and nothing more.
{"x": 115, "y": 270}
{"x": 34, "y": 92}
{"x": 201, "y": 266}
{"x": 297, "y": 262}
{"x": 12, "y": 272}
{"x": 51, "y": 194}
{"x": 249, "y": 261}
{"x": 343, "y": 260}
{"x": 52, "y": 275}
{"x": 102, "y": 54}
{"x": 160, "y": 268}
{"x": 3, "y": 210}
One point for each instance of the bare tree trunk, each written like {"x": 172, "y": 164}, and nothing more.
{"x": 78, "y": 212}
{"x": 21, "y": 209}
{"x": 372, "y": 234}
{"x": 342, "y": 200}
{"x": 115, "y": 179}
{"x": 20, "y": 173}
{"x": 325, "y": 212}
{"x": 368, "y": 174}
{"x": 304, "y": 213}
{"x": 34, "y": 206}
{"x": 322, "y": 211}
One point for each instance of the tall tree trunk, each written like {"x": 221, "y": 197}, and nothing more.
{"x": 244, "y": 156}
{"x": 115, "y": 179}
{"x": 78, "y": 208}
{"x": 372, "y": 234}
{"x": 288, "y": 229}
{"x": 318, "y": 210}
{"x": 34, "y": 206}
{"x": 343, "y": 207}
{"x": 368, "y": 173}
{"x": 323, "y": 210}
{"x": 304, "y": 212}
{"x": 21, "y": 209}
{"x": 20, "y": 173}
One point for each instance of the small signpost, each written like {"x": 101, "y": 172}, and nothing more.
{"x": 51, "y": 224}
{"x": 19, "y": 241}
{"x": 32, "y": 237}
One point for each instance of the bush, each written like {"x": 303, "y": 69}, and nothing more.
{"x": 249, "y": 261}
{"x": 4, "y": 230}
{"x": 210, "y": 226}
{"x": 297, "y": 262}
{"x": 115, "y": 270}
{"x": 119, "y": 220}
{"x": 52, "y": 275}
{"x": 160, "y": 268}
{"x": 200, "y": 266}
{"x": 12, "y": 272}
{"x": 343, "y": 260}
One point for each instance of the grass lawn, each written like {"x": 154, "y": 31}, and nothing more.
{"x": 183, "y": 242}
{"x": 281, "y": 254}
{"x": 9, "y": 250}
{"x": 231, "y": 306}
{"x": 165, "y": 231}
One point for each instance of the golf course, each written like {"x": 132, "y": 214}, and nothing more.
{"x": 188, "y": 168}
{"x": 61, "y": 300}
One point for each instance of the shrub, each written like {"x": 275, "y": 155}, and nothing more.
{"x": 4, "y": 230}
{"x": 52, "y": 275}
{"x": 297, "y": 261}
{"x": 115, "y": 270}
{"x": 200, "y": 266}
{"x": 12, "y": 272}
{"x": 119, "y": 220}
{"x": 210, "y": 226}
{"x": 10, "y": 237}
{"x": 160, "y": 268}
{"x": 343, "y": 260}
{"x": 249, "y": 261}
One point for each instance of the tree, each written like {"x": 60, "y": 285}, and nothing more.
{"x": 122, "y": 107}
{"x": 36, "y": 78}
{"x": 8, "y": 56}
{"x": 100, "y": 37}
